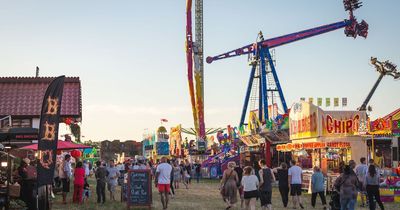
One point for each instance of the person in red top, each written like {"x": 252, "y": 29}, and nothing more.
{"x": 79, "y": 181}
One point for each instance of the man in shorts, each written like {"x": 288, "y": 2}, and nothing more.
{"x": 163, "y": 180}
{"x": 113, "y": 174}
{"x": 295, "y": 179}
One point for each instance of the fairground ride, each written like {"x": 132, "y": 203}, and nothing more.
{"x": 385, "y": 68}
{"x": 194, "y": 59}
{"x": 264, "y": 84}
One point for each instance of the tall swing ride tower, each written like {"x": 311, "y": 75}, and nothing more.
{"x": 195, "y": 64}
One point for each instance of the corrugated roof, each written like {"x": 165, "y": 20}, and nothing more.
{"x": 391, "y": 114}
{"x": 23, "y": 96}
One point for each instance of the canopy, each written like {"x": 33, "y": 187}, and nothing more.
{"x": 61, "y": 145}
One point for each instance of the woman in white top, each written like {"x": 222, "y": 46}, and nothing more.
{"x": 250, "y": 186}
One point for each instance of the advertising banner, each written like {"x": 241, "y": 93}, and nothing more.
{"x": 273, "y": 111}
{"x": 252, "y": 140}
{"x": 48, "y": 131}
{"x": 303, "y": 121}
{"x": 311, "y": 145}
{"x": 381, "y": 126}
{"x": 396, "y": 124}
{"x": 309, "y": 121}
{"x": 175, "y": 141}
{"x": 254, "y": 125}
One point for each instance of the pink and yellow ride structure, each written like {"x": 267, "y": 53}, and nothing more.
{"x": 194, "y": 59}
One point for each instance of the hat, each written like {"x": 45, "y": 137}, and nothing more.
{"x": 26, "y": 160}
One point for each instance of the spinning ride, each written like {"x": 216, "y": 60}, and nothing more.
{"x": 261, "y": 58}
{"x": 264, "y": 85}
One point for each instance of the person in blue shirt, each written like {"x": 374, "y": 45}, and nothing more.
{"x": 317, "y": 187}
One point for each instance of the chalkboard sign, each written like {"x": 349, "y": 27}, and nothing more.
{"x": 139, "y": 188}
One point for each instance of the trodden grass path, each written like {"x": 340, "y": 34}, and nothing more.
{"x": 204, "y": 195}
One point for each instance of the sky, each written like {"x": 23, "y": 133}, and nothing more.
{"x": 130, "y": 56}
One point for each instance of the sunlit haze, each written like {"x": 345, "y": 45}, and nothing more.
{"x": 130, "y": 56}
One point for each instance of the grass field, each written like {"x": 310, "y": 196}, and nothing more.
{"x": 204, "y": 195}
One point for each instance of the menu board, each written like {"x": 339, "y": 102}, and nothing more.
{"x": 139, "y": 188}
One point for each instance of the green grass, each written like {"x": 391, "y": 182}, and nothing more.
{"x": 198, "y": 197}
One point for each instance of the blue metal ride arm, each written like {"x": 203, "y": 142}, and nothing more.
{"x": 278, "y": 85}
{"x": 282, "y": 40}
{"x": 246, "y": 99}
{"x": 264, "y": 96}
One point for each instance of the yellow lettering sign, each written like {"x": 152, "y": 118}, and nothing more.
{"x": 52, "y": 106}
{"x": 46, "y": 158}
{"x": 49, "y": 131}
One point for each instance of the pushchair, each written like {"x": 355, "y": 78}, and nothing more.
{"x": 334, "y": 203}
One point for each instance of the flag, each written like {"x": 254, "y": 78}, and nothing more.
{"x": 319, "y": 101}
{"x": 164, "y": 120}
{"x": 48, "y": 131}
{"x": 327, "y": 102}
{"x": 344, "y": 102}
{"x": 311, "y": 100}
{"x": 335, "y": 102}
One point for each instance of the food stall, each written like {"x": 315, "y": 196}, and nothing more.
{"x": 252, "y": 150}
{"x": 325, "y": 139}
{"x": 383, "y": 142}
{"x": 260, "y": 140}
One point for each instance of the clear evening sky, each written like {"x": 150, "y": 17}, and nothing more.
{"x": 131, "y": 60}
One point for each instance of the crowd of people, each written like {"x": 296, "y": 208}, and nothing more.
{"x": 246, "y": 183}
{"x": 250, "y": 185}
{"x": 108, "y": 174}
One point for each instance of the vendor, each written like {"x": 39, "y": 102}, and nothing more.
{"x": 27, "y": 183}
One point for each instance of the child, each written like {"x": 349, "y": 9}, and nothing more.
{"x": 86, "y": 191}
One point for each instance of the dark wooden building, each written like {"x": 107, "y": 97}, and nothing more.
{"x": 110, "y": 149}
{"x": 21, "y": 101}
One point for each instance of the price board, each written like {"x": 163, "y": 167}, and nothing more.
{"x": 139, "y": 188}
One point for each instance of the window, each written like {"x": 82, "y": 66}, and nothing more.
{"x": 21, "y": 123}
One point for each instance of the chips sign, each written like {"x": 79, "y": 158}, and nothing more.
{"x": 342, "y": 123}
{"x": 309, "y": 121}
